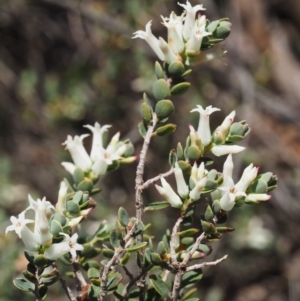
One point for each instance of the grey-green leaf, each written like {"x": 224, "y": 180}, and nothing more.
{"x": 160, "y": 286}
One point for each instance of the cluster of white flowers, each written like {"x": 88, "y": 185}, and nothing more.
{"x": 203, "y": 132}
{"x": 185, "y": 34}
{"x": 228, "y": 192}
{"x": 197, "y": 182}
{"x": 100, "y": 158}
{"x": 231, "y": 192}
{"x": 39, "y": 241}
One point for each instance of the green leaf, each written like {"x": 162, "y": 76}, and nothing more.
{"x": 135, "y": 293}
{"x": 93, "y": 292}
{"x": 180, "y": 89}
{"x": 160, "y": 286}
{"x": 147, "y": 100}
{"x": 187, "y": 72}
{"x": 23, "y": 284}
{"x": 29, "y": 257}
{"x": 142, "y": 129}
{"x": 85, "y": 185}
{"x": 176, "y": 69}
{"x": 209, "y": 215}
{"x": 40, "y": 260}
{"x": 108, "y": 253}
{"x": 224, "y": 229}
{"x": 191, "y": 277}
{"x": 205, "y": 249}
{"x": 161, "y": 248}
{"x": 123, "y": 217}
{"x": 188, "y": 232}
{"x": 72, "y": 207}
{"x": 155, "y": 259}
{"x": 208, "y": 228}
{"x": 90, "y": 264}
{"x": 93, "y": 273}
{"x": 164, "y": 108}
{"x": 161, "y": 89}
{"x": 172, "y": 158}
{"x": 137, "y": 247}
{"x": 29, "y": 276}
{"x": 165, "y": 130}
{"x": 43, "y": 289}
{"x": 157, "y": 206}
{"x": 159, "y": 70}
{"x": 78, "y": 175}
{"x": 188, "y": 294}
{"x": 113, "y": 279}
{"x": 146, "y": 112}
{"x": 124, "y": 259}
{"x": 55, "y": 228}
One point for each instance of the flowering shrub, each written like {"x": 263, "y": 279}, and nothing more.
{"x": 168, "y": 270}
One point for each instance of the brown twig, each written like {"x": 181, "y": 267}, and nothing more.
{"x": 172, "y": 241}
{"x": 204, "y": 264}
{"x": 151, "y": 181}
{"x": 80, "y": 281}
{"x": 64, "y": 284}
{"x": 139, "y": 204}
{"x": 188, "y": 256}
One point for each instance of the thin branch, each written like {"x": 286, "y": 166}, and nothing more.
{"x": 192, "y": 251}
{"x": 67, "y": 289}
{"x": 64, "y": 284}
{"x": 107, "y": 267}
{"x": 172, "y": 241}
{"x": 135, "y": 279}
{"x": 176, "y": 285}
{"x": 204, "y": 264}
{"x": 130, "y": 276}
{"x": 151, "y": 181}
{"x": 80, "y": 281}
{"x": 139, "y": 204}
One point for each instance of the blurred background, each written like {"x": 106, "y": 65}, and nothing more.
{"x": 67, "y": 63}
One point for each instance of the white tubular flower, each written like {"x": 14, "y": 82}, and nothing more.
{"x": 182, "y": 188}
{"x": 203, "y": 131}
{"x": 227, "y": 200}
{"x": 30, "y": 240}
{"x": 97, "y": 144}
{"x": 198, "y": 33}
{"x": 150, "y": 39}
{"x": 197, "y": 174}
{"x": 170, "y": 56}
{"x": 62, "y": 194}
{"x": 196, "y": 191}
{"x": 168, "y": 193}
{"x": 78, "y": 153}
{"x": 18, "y": 223}
{"x": 43, "y": 212}
{"x": 220, "y": 150}
{"x": 174, "y": 39}
{"x": 69, "y": 167}
{"x": 68, "y": 245}
{"x": 227, "y": 170}
{"x": 225, "y": 126}
{"x": 247, "y": 178}
{"x": 258, "y": 197}
{"x": 190, "y": 18}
